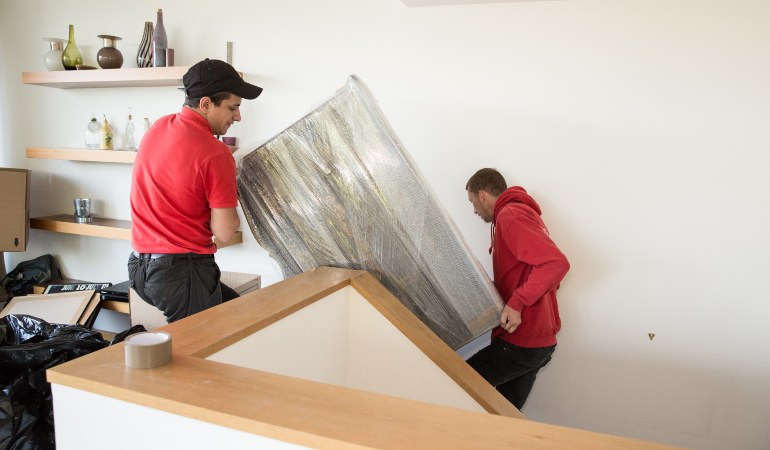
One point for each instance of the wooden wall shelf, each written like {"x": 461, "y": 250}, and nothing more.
{"x": 82, "y": 154}
{"x": 100, "y": 227}
{"x": 107, "y": 78}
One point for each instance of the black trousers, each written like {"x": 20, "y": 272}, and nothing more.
{"x": 511, "y": 369}
{"x": 180, "y": 285}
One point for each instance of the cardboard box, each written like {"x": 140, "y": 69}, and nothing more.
{"x": 14, "y": 209}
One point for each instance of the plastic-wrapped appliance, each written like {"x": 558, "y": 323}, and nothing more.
{"x": 337, "y": 188}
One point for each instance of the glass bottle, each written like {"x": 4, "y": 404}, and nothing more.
{"x": 159, "y": 42}
{"x": 129, "y": 138}
{"x": 92, "y": 133}
{"x": 105, "y": 136}
{"x": 71, "y": 57}
{"x": 146, "y": 126}
{"x": 52, "y": 58}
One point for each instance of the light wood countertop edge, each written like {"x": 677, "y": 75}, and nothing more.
{"x": 309, "y": 413}
{"x": 198, "y": 336}
{"x": 305, "y": 412}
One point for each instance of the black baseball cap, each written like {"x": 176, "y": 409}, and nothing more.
{"x": 212, "y": 75}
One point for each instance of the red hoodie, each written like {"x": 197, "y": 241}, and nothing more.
{"x": 528, "y": 268}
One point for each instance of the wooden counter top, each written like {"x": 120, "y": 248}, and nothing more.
{"x": 310, "y": 413}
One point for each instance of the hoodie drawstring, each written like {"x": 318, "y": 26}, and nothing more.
{"x": 491, "y": 237}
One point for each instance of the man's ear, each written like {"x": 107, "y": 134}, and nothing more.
{"x": 486, "y": 198}
{"x": 204, "y": 104}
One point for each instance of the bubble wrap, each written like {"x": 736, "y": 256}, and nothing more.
{"x": 338, "y": 189}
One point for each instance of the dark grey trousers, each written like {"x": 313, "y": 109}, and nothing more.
{"x": 511, "y": 369}
{"x": 179, "y": 285}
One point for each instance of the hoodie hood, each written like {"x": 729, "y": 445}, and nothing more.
{"x": 515, "y": 194}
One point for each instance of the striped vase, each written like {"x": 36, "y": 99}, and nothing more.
{"x": 144, "y": 55}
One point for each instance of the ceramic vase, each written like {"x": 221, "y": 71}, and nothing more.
{"x": 109, "y": 57}
{"x": 52, "y": 58}
{"x": 144, "y": 54}
{"x": 159, "y": 42}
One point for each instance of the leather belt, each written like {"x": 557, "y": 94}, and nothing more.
{"x": 161, "y": 255}
{"x": 151, "y": 255}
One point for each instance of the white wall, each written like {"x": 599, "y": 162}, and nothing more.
{"x": 639, "y": 125}
{"x": 350, "y": 338}
{"x": 155, "y": 426}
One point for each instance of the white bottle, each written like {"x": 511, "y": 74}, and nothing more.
{"x": 129, "y": 138}
{"x": 145, "y": 129}
{"x": 92, "y": 133}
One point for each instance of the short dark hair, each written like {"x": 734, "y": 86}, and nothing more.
{"x": 489, "y": 180}
{"x": 216, "y": 99}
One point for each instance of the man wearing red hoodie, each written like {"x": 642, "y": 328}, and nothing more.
{"x": 528, "y": 268}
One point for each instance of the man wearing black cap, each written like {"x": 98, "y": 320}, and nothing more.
{"x": 183, "y": 193}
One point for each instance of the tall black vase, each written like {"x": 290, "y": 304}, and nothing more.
{"x": 144, "y": 54}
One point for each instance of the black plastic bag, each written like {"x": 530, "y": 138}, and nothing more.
{"x": 27, "y": 274}
{"x": 29, "y": 346}
{"x": 120, "y": 337}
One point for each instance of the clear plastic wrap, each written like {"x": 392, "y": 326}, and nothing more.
{"x": 338, "y": 189}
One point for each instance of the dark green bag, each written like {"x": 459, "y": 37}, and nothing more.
{"x": 27, "y": 274}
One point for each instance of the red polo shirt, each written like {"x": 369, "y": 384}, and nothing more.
{"x": 181, "y": 172}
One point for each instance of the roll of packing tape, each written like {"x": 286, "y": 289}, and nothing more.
{"x": 147, "y": 350}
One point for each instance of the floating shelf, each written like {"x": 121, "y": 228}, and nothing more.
{"x": 83, "y": 154}
{"x": 100, "y": 227}
{"x": 107, "y": 78}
